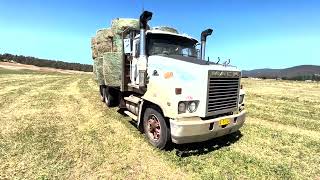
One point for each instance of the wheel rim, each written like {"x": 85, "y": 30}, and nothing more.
{"x": 154, "y": 128}
{"x": 106, "y": 98}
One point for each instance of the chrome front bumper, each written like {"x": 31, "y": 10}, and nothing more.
{"x": 194, "y": 129}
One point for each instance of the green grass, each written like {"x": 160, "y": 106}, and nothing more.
{"x": 4, "y": 71}
{"x": 54, "y": 126}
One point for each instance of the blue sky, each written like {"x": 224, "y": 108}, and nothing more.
{"x": 253, "y": 34}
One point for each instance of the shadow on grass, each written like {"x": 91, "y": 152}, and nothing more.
{"x": 191, "y": 149}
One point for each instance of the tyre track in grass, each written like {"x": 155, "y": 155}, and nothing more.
{"x": 36, "y": 89}
{"x": 260, "y": 153}
{"x": 313, "y": 134}
{"x": 293, "y": 104}
{"x": 18, "y": 104}
{"x": 40, "y": 117}
{"x": 120, "y": 150}
{"x": 22, "y": 79}
{"x": 271, "y": 153}
{"x": 62, "y": 130}
{"x": 301, "y": 154}
{"x": 266, "y": 149}
{"x": 29, "y": 134}
{"x": 10, "y": 97}
{"x": 26, "y": 83}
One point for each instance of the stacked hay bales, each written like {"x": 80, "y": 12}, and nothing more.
{"x": 107, "y": 50}
{"x": 107, "y": 47}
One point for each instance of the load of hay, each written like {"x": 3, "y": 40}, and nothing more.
{"x": 107, "y": 47}
{"x": 107, "y": 51}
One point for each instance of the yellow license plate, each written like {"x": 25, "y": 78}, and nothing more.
{"x": 223, "y": 122}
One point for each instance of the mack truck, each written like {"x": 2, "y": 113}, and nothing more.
{"x": 162, "y": 80}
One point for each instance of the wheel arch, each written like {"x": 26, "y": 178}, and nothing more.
{"x": 143, "y": 106}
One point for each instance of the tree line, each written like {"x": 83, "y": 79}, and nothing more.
{"x": 313, "y": 77}
{"x": 45, "y": 62}
{"x": 304, "y": 77}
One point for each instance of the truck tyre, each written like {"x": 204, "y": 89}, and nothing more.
{"x": 108, "y": 97}
{"x": 156, "y": 128}
{"x": 102, "y": 89}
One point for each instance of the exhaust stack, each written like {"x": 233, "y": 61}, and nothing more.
{"x": 142, "y": 61}
{"x": 204, "y": 35}
{"x": 144, "y": 18}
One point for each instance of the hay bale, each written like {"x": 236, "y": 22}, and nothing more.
{"x": 167, "y": 29}
{"x": 112, "y": 68}
{"x": 94, "y": 48}
{"x": 104, "y": 47}
{"x": 109, "y": 39}
{"x": 107, "y": 51}
{"x": 102, "y": 43}
{"x": 104, "y": 34}
{"x": 98, "y": 62}
{"x": 120, "y": 24}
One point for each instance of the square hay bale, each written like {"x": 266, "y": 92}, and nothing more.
{"x": 120, "y": 24}
{"x": 98, "y": 63}
{"x": 103, "y": 47}
{"x": 104, "y": 35}
{"x": 112, "y": 66}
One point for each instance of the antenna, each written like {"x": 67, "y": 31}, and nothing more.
{"x": 218, "y": 60}
{"x": 227, "y": 62}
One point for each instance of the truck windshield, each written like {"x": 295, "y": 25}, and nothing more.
{"x": 166, "y": 44}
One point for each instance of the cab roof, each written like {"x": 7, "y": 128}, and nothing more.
{"x": 156, "y": 31}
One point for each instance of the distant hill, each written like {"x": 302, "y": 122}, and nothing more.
{"x": 302, "y": 72}
{"x": 45, "y": 62}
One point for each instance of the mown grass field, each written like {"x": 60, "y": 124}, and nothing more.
{"x": 54, "y": 126}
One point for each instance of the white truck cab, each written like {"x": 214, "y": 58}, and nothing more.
{"x": 173, "y": 93}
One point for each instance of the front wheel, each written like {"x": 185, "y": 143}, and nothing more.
{"x": 156, "y": 128}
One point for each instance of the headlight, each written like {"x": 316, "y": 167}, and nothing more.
{"x": 192, "y": 106}
{"x": 241, "y": 98}
{"x": 182, "y": 107}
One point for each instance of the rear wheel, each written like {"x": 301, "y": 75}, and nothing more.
{"x": 102, "y": 89}
{"x": 109, "y": 97}
{"x": 156, "y": 129}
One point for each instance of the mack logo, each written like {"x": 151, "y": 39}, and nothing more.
{"x": 224, "y": 74}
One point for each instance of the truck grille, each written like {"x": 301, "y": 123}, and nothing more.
{"x": 222, "y": 95}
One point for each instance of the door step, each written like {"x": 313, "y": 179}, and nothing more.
{"x": 133, "y": 86}
{"x": 132, "y": 99}
{"x": 130, "y": 114}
